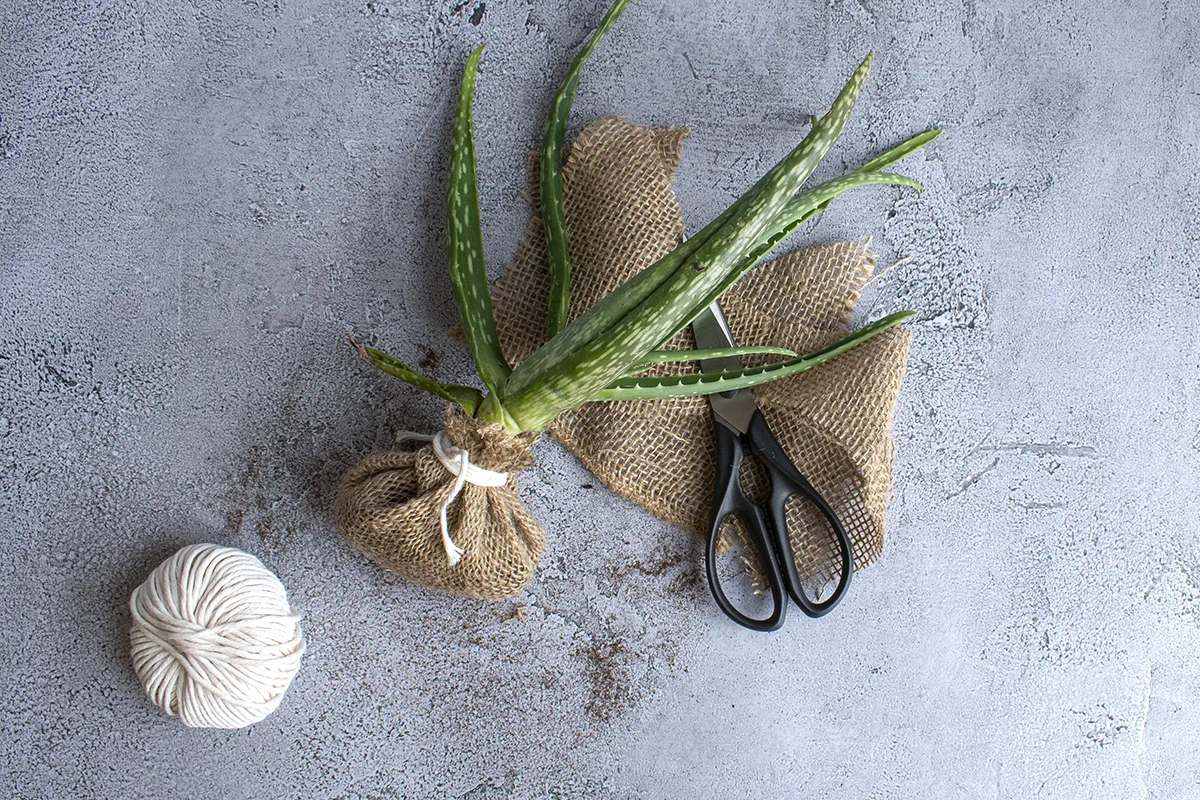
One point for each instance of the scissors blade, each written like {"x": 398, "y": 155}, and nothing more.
{"x": 734, "y": 409}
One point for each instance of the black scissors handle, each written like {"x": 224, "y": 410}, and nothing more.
{"x": 771, "y": 539}
{"x": 787, "y": 481}
{"x": 730, "y": 500}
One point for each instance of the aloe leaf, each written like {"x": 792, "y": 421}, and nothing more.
{"x": 655, "y": 357}
{"x": 802, "y": 208}
{"x": 576, "y": 380}
{"x": 468, "y": 272}
{"x": 669, "y": 356}
{"x": 672, "y": 386}
{"x": 814, "y": 200}
{"x": 672, "y": 356}
{"x": 553, "y": 213}
{"x": 811, "y": 202}
{"x": 900, "y": 151}
{"x": 467, "y": 397}
{"x": 890, "y": 157}
{"x": 617, "y": 304}
{"x": 614, "y": 306}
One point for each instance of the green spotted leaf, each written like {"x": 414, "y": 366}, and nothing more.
{"x": 887, "y": 159}
{"x": 901, "y": 151}
{"x": 655, "y": 357}
{"x": 615, "y": 305}
{"x": 467, "y": 397}
{"x": 802, "y": 208}
{"x": 578, "y": 378}
{"x": 468, "y": 272}
{"x": 669, "y": 356}
{"x": 551, "y": 189}
{"x": 672, "y": 386}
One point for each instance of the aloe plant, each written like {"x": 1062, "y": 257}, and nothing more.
{"x": 599, "y": 355}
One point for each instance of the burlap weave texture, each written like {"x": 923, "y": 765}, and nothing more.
{"x": 834, "y": 421}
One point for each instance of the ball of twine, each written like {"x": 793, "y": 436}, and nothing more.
{"x": 214, "y": 640}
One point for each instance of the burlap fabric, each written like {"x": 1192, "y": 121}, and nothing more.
{"x": 834, "y": 421}
{"x": 389, "y": 507}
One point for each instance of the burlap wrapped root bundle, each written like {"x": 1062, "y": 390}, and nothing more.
{"x": 410, "y": 513}
{"x": 448, "y": 515}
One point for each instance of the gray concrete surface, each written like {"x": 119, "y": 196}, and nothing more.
{"x": 197, "y": 201}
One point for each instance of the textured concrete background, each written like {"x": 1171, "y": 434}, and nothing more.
{"x": 197, "y": 201}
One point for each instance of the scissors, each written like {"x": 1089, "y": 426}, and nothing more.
{"x": 738, "y": 424}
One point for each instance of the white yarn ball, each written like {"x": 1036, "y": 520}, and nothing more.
{"x": 214, "y": 639}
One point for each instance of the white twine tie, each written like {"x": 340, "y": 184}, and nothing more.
{"x": 458, "y": 463}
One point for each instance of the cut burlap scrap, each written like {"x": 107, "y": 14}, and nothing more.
{"x": 834, "y": 421}
{"x": 389, "y": 507}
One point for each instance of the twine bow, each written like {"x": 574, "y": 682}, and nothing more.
{"x": 457, "y": 462}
